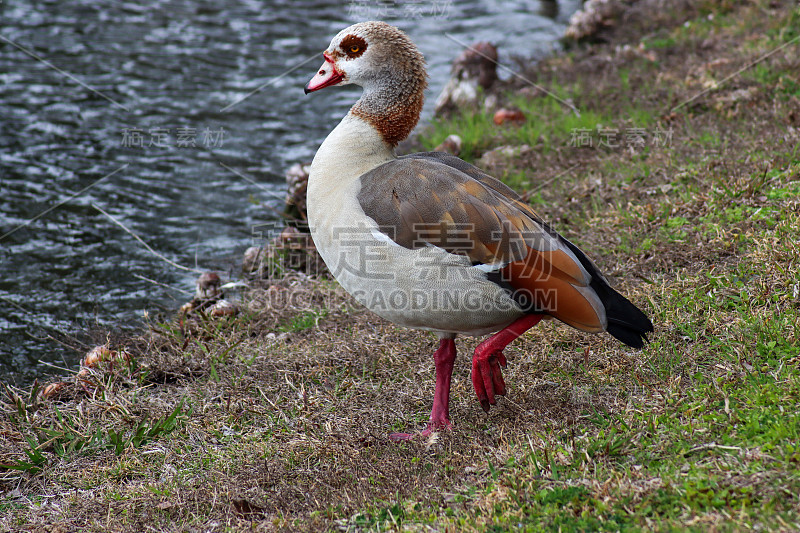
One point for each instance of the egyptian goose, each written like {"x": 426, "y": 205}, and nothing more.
{"x": 431, "y": 242}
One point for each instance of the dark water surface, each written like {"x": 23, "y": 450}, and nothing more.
{"x": 129, "y": 108}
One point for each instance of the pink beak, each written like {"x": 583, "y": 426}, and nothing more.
{"x": 327, "y": 76}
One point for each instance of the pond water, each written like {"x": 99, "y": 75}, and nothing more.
{"x": 177, "y": 119}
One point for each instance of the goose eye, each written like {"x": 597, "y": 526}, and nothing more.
{"x": 351, "y": 45}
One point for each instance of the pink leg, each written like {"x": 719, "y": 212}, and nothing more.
{"x": 444, "y": 358}
{"x": 487, "y": 378}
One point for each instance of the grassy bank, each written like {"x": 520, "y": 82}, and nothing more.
{"x": 680, "y": 176}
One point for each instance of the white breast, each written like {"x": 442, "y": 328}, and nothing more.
{"x": 425, "y": 288}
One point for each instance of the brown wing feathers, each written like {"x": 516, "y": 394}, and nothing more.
{"x": 440, "y": 200}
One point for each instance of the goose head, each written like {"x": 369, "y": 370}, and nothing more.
{"x": 368, "y": 54}
{"x": 385, "y": 62}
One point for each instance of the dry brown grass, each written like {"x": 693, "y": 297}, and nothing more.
{"x": 306, "y": 414}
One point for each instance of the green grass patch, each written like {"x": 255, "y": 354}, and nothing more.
{"x": 68, "y": 436}
{"x": 303, "y": 321}
{"x": 549, "y": 124}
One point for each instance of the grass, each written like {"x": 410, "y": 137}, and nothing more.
{"x": 306, "y": 320}
{"x": 70, "y": 434}
{"x": 277, "y": 418}
{"x": 547, "y": 123}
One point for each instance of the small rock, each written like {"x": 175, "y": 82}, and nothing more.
{"x": 223, "y": 308}
{"x": 498, "y": 159}
{"x": 451, "y": 145}
{"x": 474, "y": 70}
{"x": 208, "y": 291}
{"x": 589, "y": 21}
{"x": 296, "y": 185}
{"x": 251, "y": 261}
{"x": 208, "y": 286}
{"x": 95, "y": 355}
{"x": 100, "y": 354}
{"x": 291, "y": 238}
{"x": 509, "y": 115}
{"x": 490, "y": 102}
{"x": 51, "y": 390}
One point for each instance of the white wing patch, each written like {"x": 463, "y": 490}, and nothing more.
{"x": 491, "y": 267}
{"x": 381, "y": 236}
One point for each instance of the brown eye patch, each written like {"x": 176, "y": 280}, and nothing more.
{"x": 353, "y": 46}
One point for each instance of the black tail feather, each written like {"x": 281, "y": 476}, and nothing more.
{"x": 626, "y": 322}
